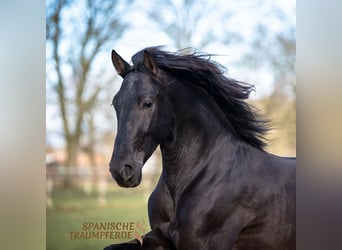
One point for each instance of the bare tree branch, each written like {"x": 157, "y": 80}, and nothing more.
{"x": 77, "y": 32}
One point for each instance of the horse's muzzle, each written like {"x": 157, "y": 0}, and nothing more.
{"x": 127, "y": 175}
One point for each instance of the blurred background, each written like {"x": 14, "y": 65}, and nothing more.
{"x": 254, "y": 40}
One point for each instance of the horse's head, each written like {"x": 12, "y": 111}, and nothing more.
{"x": 144, "y": 118}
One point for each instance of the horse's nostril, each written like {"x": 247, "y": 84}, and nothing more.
{"x": 128, "y": 166}
{"x": 126, "y": 172}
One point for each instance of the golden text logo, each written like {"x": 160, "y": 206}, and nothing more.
{"x": 111, "y": 230}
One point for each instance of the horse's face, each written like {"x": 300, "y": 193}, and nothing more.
{"x": 144, "y": 121}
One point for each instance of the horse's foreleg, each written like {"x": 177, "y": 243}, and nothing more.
{"x": 131, "y": 245}
{"x": 151, "y": 241}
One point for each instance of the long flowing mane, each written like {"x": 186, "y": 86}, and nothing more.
{"x": 229, "y": 94}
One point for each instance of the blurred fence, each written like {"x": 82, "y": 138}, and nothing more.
{"x": 95, "y": 180}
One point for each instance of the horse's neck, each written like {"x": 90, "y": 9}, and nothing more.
{"x": 199, "y": 135}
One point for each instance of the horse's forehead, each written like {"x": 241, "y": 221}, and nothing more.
{"x": 137, "y": 83}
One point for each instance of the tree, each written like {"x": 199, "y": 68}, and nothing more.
{"x": 277, "y": 52}
{"x": 76, "y": 33}
{"x": 188, "y": 23}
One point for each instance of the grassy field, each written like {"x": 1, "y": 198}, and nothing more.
{"x": 72, "y": 208}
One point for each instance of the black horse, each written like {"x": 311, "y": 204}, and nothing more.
{"x": 218, "y": 189}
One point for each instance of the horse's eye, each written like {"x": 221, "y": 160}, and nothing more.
{"x": 147, "y": 104}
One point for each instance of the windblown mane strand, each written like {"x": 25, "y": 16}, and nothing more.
{"x": 228, "y": 93}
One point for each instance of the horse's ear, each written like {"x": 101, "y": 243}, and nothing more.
{"x": 150, "y": 63}
{"x": 120, "y": 65}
